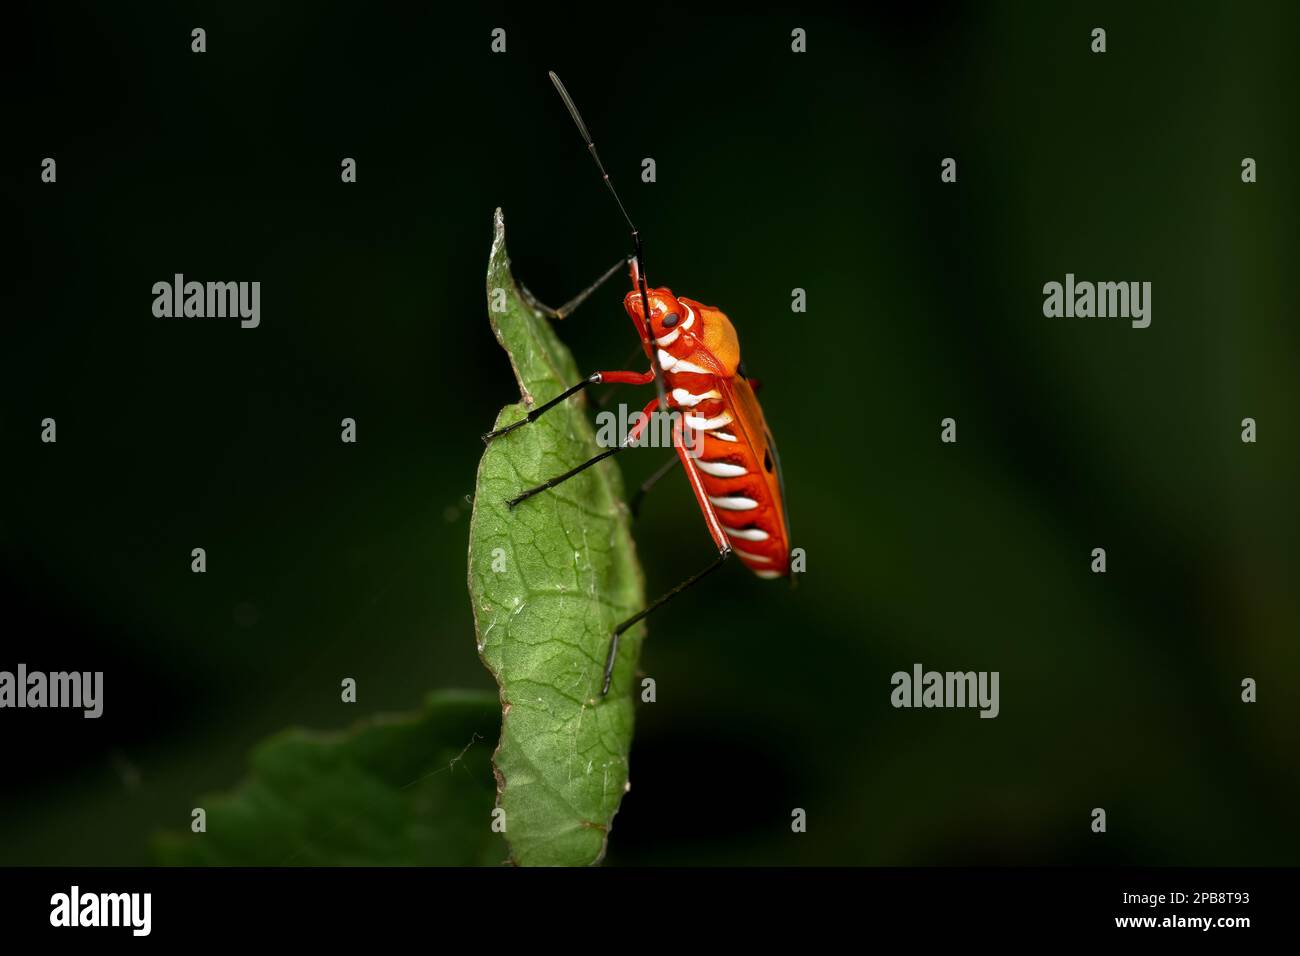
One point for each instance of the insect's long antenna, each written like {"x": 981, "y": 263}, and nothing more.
{"x": 636, "y": 235}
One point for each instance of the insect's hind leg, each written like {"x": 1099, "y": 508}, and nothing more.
{"x": 612, "y": 655}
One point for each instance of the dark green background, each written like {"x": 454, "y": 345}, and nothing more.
{"x": 775, "y": 171}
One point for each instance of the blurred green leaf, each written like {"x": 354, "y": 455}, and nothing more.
{"x": 549, "y": 580}
{"x": 400, "y": 790}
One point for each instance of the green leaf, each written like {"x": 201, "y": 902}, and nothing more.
{"x": 549, "y": 580}
{"x": 406, "y": 790}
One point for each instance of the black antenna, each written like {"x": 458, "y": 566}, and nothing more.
{"x": 636, "y": 235}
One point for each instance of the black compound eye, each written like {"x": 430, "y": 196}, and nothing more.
{"x": 671, "y": 319}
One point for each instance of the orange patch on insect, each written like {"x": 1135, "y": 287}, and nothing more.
{"x": 718, "y": 336}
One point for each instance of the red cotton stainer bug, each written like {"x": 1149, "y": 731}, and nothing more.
{"x": 718, "y": 432}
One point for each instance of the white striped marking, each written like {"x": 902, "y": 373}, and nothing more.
{"x": 681, "y": 365}
{"x": 734, "y": 502}
{"x": 687, "y": 400}
{"x": 725, "y": 436}
{"x": 708, "y": 424}
{"x": 747, "y": 534}
{"x": 690, "y": 317}
{"x": 670, "y": 338}
{"x": 768, "y": 574}
{"x": 720, "y": 469}
{"x": 757, "y": 558}
{"x": 666, "y": 361}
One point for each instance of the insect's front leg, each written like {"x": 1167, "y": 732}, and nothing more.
{"x": 568, "y": 308}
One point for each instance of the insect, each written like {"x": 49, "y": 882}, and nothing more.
{"x": 719, "y": 434}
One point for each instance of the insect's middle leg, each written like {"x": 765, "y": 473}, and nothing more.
{"x": 595, "y": 378}
{"x": 601, "y": 400}
{"x": 633, "y": 436}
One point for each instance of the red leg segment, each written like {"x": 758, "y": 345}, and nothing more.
{"x": 626, "y": 378}
{"x": 634, "y": 433}
{"x": 697, "y": 486}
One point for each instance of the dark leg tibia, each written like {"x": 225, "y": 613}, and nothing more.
{"x": 632, "y": 437}
{"x": 537, "y": 412}
{"x": 635, "y": 505}
{"x": 595, "y": 378}
{"x": 612, "y": 655}
{"x": 560, "y": 479}
{"x": 569, "y": 307}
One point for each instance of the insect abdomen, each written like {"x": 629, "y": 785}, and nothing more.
{"x": 734, "y": 479}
